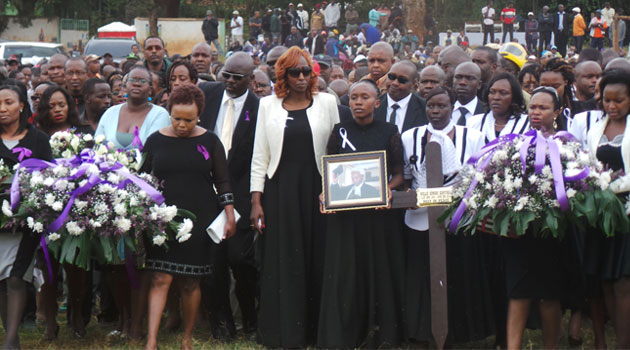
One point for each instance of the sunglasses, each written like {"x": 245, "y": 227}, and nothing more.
{"x": 295, "y": 72}
{"x": 401, "y": 79}
{"x": 271, "y": 63}
{"x": 235, "y": 76}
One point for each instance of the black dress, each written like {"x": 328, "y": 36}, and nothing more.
{"x": 614, "y": 257}
{"x": 292, "y": 244}
{"x": 188, "y": 179}
{"x": 362, "y": 294}
{"x": 18, "y": 249}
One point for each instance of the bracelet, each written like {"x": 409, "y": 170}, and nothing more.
{"x": 226, "y": 199}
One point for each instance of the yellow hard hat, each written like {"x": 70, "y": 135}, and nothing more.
{"x": 515, "y": 53}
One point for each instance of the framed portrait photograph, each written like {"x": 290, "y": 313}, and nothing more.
{"x": 355, "y": 181}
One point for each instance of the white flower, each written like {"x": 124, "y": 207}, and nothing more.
{"x": 66, "y": 154}
{"x": 95, "y": 223}
{"x": 93, "y": 169}
{"x": 100, "y": 150}
{"x": 73, "y": 228}
{"x": 545, "y": 186}
{"x": 57, "y": 206}
{"x": 184, "y": 230}
{"x": 88, "y": 137}
{"x": 30, "y": 222}
{"x": 122, "y": 158}
{"x": 133, "y": 202}
{"x": 159, "y": 240}
{"x": 120, "y": 209}
{"x": 36, "y": 179}
{"x": 491, "y": 202}
{"x": 80, "y": 204}
{"x": 521, "y": 203}
{"x": 516, "y": 156}
{"x": 53, "y": 236}
{"x": 101, "y": 209}
{"x": 547, "y": 172}
{"x": 49, "y": 181}
{"x": 61, "y": 171}
{"x": 604, "y": 180}
{"x": 111, "y": 145}
{"x": 99, "y": 138}
{"x": 499, "y": 156}
{"x": 571, "y": 193}
{"x": 6, "y": 208}
{"x": 123, "y": 224}
{"x": 518, "y": 182}
{"x": 61, "y": 185}
{"x": 584, "y": 158}
{"x": 479, "y": 177}
{"x": 572, "y": 165}
{"x": 75, "y": 143}
{"x": 113, "y": 178}
{"x": 49, "y": 199}
{"x": 38, "y": 227}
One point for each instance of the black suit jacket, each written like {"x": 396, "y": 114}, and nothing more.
{"x": 240, "y": 155}
{"x": 565, "y": 22}
{"x": 481, "y": 107}
{"x": 415, "y": 116}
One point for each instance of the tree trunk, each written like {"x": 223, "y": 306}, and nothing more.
{"x": 153, "y": 19}
{"x": 172, "y": 8}
{"x": 414, "y": 16}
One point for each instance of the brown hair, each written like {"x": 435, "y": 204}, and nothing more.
{"x": 289, "y": 59}
{"x": 186, "y": 95}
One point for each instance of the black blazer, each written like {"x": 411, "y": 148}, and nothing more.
{"x": 415, "y": 116}
{"x": 566, "y": 22}
{"x": 240, "y": 155}
{"x": 35, "y": 140}
{"x": 481, "y": 107}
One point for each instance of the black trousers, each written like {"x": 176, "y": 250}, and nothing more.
{"x": 238, "y": 254}
{"x": 508, "y": 28}
{"x": 488, "y": 29}
{"x": 545, "y": 41}
{"x": 560, "y": 39}
{"x": 579, "y": 42}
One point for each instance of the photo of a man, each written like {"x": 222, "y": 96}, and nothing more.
{"x": 359, "y": 189}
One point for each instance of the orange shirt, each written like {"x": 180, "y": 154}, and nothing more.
{"x": 597, "y": 32}
{"x": 579, "y": 26}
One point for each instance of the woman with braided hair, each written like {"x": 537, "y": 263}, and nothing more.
{"x": 558, "y": 74}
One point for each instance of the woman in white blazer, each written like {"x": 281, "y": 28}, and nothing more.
{"x": 291, "y": 135}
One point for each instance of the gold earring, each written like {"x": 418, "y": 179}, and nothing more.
{"x": 21, "y": 110}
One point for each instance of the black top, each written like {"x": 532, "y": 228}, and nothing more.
{"x": 35, "y": 140}
{"x": 377, "y": 136}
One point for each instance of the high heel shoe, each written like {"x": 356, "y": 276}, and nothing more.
{"x": 51, "y": 337}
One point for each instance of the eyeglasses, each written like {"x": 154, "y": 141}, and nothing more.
{"x": 137, "y": 80}
{"x": 34, "y": 98}
{"x": 235, "y": 76}
{"x": 400, "y": 78}
{"x": 295, "y": 72}
{"x": 261, "y": 86}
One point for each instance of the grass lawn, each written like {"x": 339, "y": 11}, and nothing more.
{"x": 31, "y": 338}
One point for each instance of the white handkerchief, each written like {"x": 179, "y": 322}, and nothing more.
{"x": 217, "y": 227}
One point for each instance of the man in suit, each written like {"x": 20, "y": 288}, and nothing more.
{"x": 231, "y": 111}
{"x": 466, "y": 82}
{"x": 359, "y": 188}
{"x": 561, "y": 30}
{"x": 400, "y": 105}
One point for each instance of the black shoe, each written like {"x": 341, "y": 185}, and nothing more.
{"x": 249, "y": 326}
{"x": 221, "y": 332}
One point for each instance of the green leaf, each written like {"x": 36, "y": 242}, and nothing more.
{"x": 108, "y": 248}
{"x": 552, "y": 223}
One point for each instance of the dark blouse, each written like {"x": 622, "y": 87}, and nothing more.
{"x": 35, "y": 140}
{"x": 376, "y": 136}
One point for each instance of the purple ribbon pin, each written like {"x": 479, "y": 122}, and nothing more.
{"x": 136, "y": 139}
{"x": 246, "y": 116}
{"x": 23, "y": 152}
{"x": 201, "y": 149}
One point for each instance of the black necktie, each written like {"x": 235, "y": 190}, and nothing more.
{"x": 392, "y": 117}
{"x": 462, "y": 116}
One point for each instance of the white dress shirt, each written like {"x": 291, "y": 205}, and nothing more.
{"x": 470, "y": 107}
{"x": 560, "y": 19}
{"x": 400, "y": 112}
{"x": 239, "y": 102}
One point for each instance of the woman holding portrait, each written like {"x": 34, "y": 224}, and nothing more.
{"x": 291, "y": 135}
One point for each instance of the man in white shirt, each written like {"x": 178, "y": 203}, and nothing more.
{"x": 332, "y": 13}
{"x": 400, "y": 105}
{"x": 466, "y": 82}
{"x": 488, "y": 22}
{"x": 237, "y": 27}
{"x": 231, "y": 112}
{"x": 304, "y": 16}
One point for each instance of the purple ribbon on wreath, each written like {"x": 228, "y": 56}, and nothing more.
{"x": 541, "y": 144}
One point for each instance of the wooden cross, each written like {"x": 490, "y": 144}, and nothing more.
{"x": 615, "y": 29}
{"x": 437, "y": 238}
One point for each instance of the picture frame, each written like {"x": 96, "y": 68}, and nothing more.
{"x": 355, "y": 181}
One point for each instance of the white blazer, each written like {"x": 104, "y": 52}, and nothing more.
{"x": 595, "y": 135}
{"x": 272, "y": 117}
